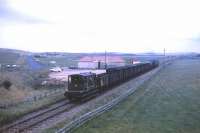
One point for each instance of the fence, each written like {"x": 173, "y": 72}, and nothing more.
{"x": 84, "y": 118}
{"x": 33, "y": 98}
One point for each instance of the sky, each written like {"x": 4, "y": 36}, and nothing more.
{"x": 95, "y": 26}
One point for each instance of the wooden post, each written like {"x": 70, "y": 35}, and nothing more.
{"x": 105, "y": 60}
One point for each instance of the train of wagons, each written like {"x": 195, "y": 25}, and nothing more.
{"x": 85, "y": 85}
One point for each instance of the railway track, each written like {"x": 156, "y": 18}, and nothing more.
{"x": 28, "y": 122}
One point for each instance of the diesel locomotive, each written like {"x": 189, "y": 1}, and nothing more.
{"x": 85, "y": 85}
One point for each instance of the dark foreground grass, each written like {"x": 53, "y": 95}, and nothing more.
{"x": 168, "y": 103}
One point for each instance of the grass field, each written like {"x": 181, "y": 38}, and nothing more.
{"x": 168, "y": 103}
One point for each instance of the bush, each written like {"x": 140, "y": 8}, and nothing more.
{"x": 7, "y": 84}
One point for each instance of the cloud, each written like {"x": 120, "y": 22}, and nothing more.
{"x": 7, "y": 14}
{"x": 90, "y": 26}
{"x": 194, "y": 43}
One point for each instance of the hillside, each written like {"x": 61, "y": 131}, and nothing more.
{"x": 8, "y": 56}
{"x": 36, "y": 60}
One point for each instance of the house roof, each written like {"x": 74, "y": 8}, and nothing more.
{"x": 117, "y": 59}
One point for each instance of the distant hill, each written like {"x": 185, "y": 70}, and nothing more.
{"x": 39, "y": 60}
{"x": 14, "y": 51}
{"x": 9, "y": 56}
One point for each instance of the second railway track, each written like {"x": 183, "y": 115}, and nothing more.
{"x": 29, "y": 121}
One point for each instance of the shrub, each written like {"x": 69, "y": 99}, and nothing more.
{"x": 6, "y": 84}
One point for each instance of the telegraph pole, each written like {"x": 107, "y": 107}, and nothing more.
{"x": 164, "y": 51}
{"x": 105, "y": 59}
{"x": 164, "y": 55}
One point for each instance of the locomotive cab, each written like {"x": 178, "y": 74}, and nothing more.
{"x": 75, "y": 82}
{"x": 80, "y": 84}
{"x": 83, "y": 81}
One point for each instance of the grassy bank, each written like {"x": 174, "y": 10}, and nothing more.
{"x": 13, "y": 113}
{"x": 169, "y": 102}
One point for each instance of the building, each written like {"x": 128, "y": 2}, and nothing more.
{"x": 95, "y": 62}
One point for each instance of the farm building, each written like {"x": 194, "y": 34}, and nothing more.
{"x": 95, "y": 62}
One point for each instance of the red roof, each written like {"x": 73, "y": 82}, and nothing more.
{"x": 117, "y": 59}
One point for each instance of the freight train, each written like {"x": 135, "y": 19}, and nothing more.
{"x": 85, "y": 85}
